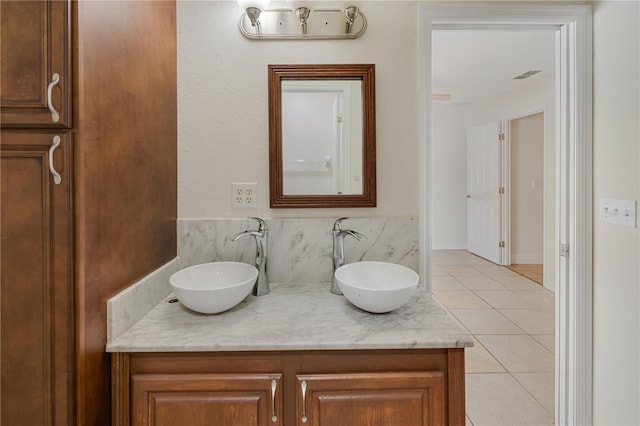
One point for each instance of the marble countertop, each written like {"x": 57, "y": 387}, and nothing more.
{"x": 293, "y": 317}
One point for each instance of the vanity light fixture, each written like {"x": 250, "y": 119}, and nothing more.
{"x": 253, "y": 9}
{"x": 302, "y": 20}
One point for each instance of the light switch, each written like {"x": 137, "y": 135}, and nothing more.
{"x": 618, "y": 212}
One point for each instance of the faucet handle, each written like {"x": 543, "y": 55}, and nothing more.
{"x": 355, "y": 234}
{"x": 262, "y": 225}
{"x": 338, "y": 225}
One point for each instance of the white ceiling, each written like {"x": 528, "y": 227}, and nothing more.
{"x": 477, "y": 65}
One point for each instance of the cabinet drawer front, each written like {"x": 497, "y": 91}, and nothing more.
{"x": 205, "y": 399}
{"x": 383, "y": 399}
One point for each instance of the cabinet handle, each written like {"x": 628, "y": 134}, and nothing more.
{"x": 57, "y": 179}
{"x": 274, "y": 417}
{"x": 304, "y": 403}
{"x": 55, "y": 79}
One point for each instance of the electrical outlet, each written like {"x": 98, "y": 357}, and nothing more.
{"x": 618, "y": 212}
{"x": 244, "y": 195}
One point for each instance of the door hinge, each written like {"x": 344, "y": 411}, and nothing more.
{"x": 564, "y": 250}
{"x": 501, "y": 244}
{"x": 500, "y": 136}
{"x": 339, "y": 117}
{"x": 501, "y": 190}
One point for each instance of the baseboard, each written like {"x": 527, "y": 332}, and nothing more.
{"x": 449, "y": 247}
{"x": 526, "y": 259}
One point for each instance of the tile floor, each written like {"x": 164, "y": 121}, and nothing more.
{"x": 510, "y": 370}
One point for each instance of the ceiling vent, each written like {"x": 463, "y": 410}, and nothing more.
{"x": 526, "y": 75}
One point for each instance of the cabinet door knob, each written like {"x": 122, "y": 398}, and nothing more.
{"x": 57, "y": 179}
{"x": 303, "y": 385}
{"x": 55, "y": 79}
{"x": 274, "y": 416}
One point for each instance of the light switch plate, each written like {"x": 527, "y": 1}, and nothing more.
{"x": 618, "y": 212}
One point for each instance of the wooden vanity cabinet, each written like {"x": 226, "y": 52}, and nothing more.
{"x": 351, "y": 387}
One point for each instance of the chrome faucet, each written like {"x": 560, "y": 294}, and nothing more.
{"x": 338, "y": 250}
{"x": 262, "y": 284}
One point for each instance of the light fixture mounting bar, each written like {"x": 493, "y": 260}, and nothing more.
{"x": 321, "y": 24}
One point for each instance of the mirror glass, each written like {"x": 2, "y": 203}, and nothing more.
{"x": 321, "y": 149}
{"x": 322, "y": 135}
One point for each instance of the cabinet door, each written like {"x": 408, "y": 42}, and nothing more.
{"x": 372, "y": 399}
{"x": 36, "y": 276}
{"x": 34, "y": 49}
{"x": 207, "y": 399}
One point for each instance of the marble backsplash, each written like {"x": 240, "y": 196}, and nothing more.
{"x": 132, "y": 303}
{"x": 299, "y": 250}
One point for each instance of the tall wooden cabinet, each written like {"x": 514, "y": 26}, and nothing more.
{"x": 36, "y": 236}
{"x": 88, "y": 92}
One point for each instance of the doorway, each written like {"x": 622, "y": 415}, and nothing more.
{"x": 573, "y": 182}
{"x": 511, "y": 318}
{"x": 527, "y": 206}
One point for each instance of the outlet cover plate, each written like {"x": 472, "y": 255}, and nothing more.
{"x": 244, "y": 195}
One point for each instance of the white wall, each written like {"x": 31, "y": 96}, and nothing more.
{"x": 616, "y": 294}
{"x": 449, "y": 177}
{"x": 223, "y": 107}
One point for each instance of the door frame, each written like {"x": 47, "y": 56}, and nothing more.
{"x": 574, "y": 166}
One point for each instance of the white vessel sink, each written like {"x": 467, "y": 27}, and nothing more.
{"x": 211, "y": 288}
{"x": 377, "y": 287}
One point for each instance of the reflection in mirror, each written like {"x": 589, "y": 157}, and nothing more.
{"x": 322, "y": 136}
{"x": 321, "y": 149}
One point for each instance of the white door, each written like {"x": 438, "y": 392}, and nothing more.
{"x": 483, "y": 191}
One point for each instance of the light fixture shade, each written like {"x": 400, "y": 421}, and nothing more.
{"x": 260, "y": 4}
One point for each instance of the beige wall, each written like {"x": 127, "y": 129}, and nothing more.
{"x": 527, "y": 195}
{"x": 223, "y": 112}
{"x": 616, "y": 293}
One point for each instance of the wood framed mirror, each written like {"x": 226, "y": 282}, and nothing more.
{"x": 322, "y": 136}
